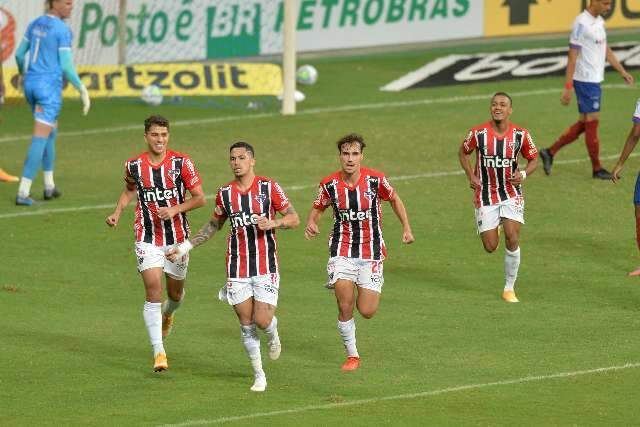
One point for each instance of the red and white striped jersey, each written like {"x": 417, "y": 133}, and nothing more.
{"x": 497, "y": 160}
{"x": 160, "y": 186}
{"x": 251, "y": 251}
{"x": 357, "y": 212}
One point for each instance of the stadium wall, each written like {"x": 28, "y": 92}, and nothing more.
{"x": 200, "y": 30}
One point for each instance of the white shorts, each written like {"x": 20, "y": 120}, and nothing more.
{"x": 261, "y": 288}
{"x": 490, "y": 217}
{"x": 152, "y": 256}
{"x": 363, "y": 272}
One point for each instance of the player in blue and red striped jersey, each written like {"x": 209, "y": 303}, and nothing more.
{"x": 250, "y": 203}
{"x": 160, "y": 178}
{"x": 629, "y": 145}
{"x": 356, "y": 245}
{"x": 497, "y": 182}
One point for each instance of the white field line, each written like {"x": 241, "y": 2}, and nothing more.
{"x": 418, "y": 395}
{"x": 338, "y": 109}
{"x": 36, "y": 211}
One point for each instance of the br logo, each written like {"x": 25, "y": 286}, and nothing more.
{"x": 7, "y": 34}
{"x": 234, "y": 29}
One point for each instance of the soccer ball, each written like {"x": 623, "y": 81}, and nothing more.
{"x": 307, "y": 75}
{"x": 151, "y": 95}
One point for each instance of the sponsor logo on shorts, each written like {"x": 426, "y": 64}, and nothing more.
{"x": 140, "y": 260}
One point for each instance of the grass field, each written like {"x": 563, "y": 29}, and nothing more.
{"x": 443, "y": 348}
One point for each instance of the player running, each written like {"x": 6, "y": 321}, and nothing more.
{"x": 356, "y": 246}
{"x": 629, "y": 145}
{"x": 48, "y": 41}
{"x": 586, "y": 59}
{"x": 160, "y": 178}
{"x": 250, "y": 203}
{"x": 497, "y": 182}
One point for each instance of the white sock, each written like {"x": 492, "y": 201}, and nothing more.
{"x": 172, "y": 305}
{"x": 24, "y": 189}
{"x": 348, "y": 333}
{"x": 153, "y": 320}
{"x": 511, "y": 265}
{"x": 251, "y": 344}
{"x": 272, "y": 329}
{"x": 48, "y": 180}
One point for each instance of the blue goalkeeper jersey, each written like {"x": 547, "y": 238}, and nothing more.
{"x": 46, "y": 36}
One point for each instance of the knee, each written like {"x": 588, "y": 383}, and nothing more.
{"x": 175, "y": 294}
{"x": 490, "y": 246}
{"x": 345, "y": 308}
{"x": 512, "y": 244}
{"x": 368, "y": 313}
{"x": 262, "y": 322}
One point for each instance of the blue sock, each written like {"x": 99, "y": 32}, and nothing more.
{"x": 34, "y": 157}
{"x": 49, "y": 157}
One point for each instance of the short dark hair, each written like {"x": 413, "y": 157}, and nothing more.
{"x": 245, "y": 145}
{"x": 505, "y": 94}
{"x": 155, "y": 121}
{"x": 352, "y": 138}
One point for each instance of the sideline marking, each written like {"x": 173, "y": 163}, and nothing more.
{"x": 405, "y": 396}
{"x": 289, "y": 188}
{"x": 343, "y": 108}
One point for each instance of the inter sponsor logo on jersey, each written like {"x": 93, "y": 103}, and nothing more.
{"x": 497, "y": 162}
{"x": 354, "y": 215}
{"x": 157, "y": 194}
{"x": 243, "y": 219}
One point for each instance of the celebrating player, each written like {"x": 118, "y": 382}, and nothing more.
{"x": 48, "y": 41}
{"x": 356, "y": 246}
{"x": 588, "y": 51}
{"x": 160, "y": 178}
{"x": 250, "y": 203}
{"x": 629, "y": 145}
{"x": 497, "y": 182}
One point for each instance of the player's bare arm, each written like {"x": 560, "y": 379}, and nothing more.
{"x": 519, "y": 177}
{"x": 572, "y": 57}
{"x": 126, "y": 196}
{"x": 205, "y": 233}
{"x": 401, "y": 212}
{"x": 290, "y": 219}
{"x": 613, "y": 60}
{"x": 465, "y": 162}
{"x": 312, "y": 230}
{"x": 629, "y": 146}
{"x": 196, "y": 200}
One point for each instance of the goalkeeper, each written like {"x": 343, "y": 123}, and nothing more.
{"x": 48, "y": 41}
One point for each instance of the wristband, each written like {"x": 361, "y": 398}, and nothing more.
{"x": 568, "y": 85}
{"x": 184, "y": 248}
{"x": 524, "y": 175}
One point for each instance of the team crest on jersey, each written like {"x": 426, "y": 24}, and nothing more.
{"x": 260, "y": 198}
{"x": 173, "y": 173}
{"x": 369, "y": 194}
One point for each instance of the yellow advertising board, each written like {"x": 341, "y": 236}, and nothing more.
{"x": 172, "y": 79}
{"x": 514, "y": 17}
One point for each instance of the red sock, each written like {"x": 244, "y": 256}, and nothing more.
{"x": 568, "y": 136}
{"x": 593, "y": 144}
{"x": 638, "y": 231}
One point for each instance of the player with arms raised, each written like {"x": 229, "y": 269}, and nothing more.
{"x": 356, "y": 246}
{"x": 160, "y": 178}
{"x": 497, "y": 182}
{"x": 250, "y": 203}
{"x": 629, "y": 145}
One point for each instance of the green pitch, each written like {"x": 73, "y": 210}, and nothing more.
{"x": 443, "y": 348}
